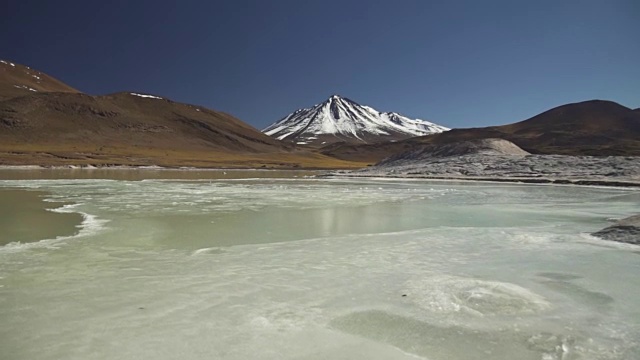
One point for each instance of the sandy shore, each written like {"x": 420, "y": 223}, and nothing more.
{"x": 24, "y": 217}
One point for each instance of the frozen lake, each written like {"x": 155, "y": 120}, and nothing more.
{"x": 322, "y": 269}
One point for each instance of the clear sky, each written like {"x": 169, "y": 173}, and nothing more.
{"x": 457, "y": 63}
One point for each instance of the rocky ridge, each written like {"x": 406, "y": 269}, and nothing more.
{"x": 493, "y": 160}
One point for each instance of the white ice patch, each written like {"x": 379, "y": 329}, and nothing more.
{"x": 90, "y": 225}
{"x": 146, "y": 96}
{"x": 452, "y": 294}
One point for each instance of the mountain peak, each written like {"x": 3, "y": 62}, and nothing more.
{"x": 341, "y": 119}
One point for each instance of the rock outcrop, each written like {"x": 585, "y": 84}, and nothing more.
{"x": 626, "y": 231}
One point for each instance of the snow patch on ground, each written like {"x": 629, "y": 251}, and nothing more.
{"x": 146, "y": 96}
{"x": 25, "y": 87}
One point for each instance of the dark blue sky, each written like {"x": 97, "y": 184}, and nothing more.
{"x": 457, "y": 63}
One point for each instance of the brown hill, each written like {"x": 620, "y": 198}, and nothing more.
{"x": 598, "y": 128}
{"x": 71, "y": 128}
{"x": 18, "y": 80}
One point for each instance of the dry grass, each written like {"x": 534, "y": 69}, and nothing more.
{"x": 83, "y": 155}
{"x": 56, "y": 129}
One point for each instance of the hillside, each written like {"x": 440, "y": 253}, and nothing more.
{"x": 66, "y": 127}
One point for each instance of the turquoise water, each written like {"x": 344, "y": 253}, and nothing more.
{"x": 323, "y": 269}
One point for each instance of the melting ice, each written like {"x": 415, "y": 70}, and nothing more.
{"x": 320, "y": 269}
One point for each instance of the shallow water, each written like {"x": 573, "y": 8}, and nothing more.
{"x": 21, "y": 209}
{"x": 323, "y": 269}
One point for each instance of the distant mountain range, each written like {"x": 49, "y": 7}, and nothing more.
{"x": 46, "y": 122}
{"x": 339, "y": 119}
{"x": 595, "y": 127}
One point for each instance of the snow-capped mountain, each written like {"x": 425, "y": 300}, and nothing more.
{"x": 341, "y": 119}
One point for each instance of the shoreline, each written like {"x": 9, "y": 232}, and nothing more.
{"x": 156, "y": 167}
{"x": 131, "y": 173}
{"x": 525, "y": 181}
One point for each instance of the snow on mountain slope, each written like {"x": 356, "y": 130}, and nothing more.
{"x": 341, "y": 119}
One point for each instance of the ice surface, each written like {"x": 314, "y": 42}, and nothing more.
{"x": 445, "y": 294}
{"x": 313, "y": 269}
{"x": 454, "y": 342}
